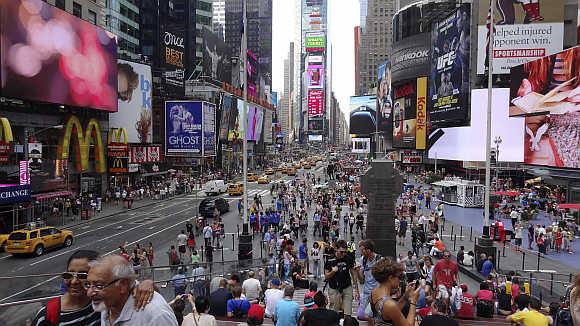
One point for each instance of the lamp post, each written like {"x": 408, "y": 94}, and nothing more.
{"x": 491, "y": 33}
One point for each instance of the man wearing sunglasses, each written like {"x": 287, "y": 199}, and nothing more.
{"x": 339, "y": 273}
{"x": 109, "y": 285}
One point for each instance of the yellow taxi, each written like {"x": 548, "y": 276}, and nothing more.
{"x": 252, "y": 177}
{"x": 281, "y": 168}
{"x": 264, "y": 179}
{"x": 3, "y": 241}
{"x": 235, "y": 189}
{"x": 37, "y": 240}
{"x": 270, "y": 171}
{"x": 291, "y": 171}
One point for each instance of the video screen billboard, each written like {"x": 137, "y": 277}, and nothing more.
{"x": 315, "y": 76}
{"x": 385, "y": 98}
{"x": 183, "y": 127}
{"x": 315, "y": 102}
{"x": 449, "y": 85}
{"x": 363, "y": 113}
{"x": 546, "y": 86}
{"x": 216, "y": 57}
{"x": 315, "y": 42}
{"x": 49, "y": 55}
{"x": 252, "y": 72}
{"x": 315, "y": 125}
{"x": 255, "y": 122}
{"x": 227, "y": 119}
{"x": 361, "y": 145}
{"x": 315, "y": 138}
{"x": 524, "y": 31}
{"x": 468, "y": 143}
{"x": 404, "y": 115}
{"x": 135, "y": 98}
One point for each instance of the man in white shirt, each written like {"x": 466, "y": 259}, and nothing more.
{"x": 272, "y": 296}
{"x": 251, "y": 287}
{"x": 207, "y": 232}
{"x": 109, "y": 286}
{"x": 181, "y": 244}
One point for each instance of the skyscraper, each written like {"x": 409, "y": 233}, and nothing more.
{"x": 219, "y": 18}
{"x": 122, "y": 19}
{"x": 89, "y": 10}
{"x": 375, "y": 42}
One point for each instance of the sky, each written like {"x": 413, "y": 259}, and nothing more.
{"x": 343, "y": 17}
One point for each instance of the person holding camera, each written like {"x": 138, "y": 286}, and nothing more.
{"x": 339, "y": 273}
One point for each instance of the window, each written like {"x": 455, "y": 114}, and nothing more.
{"x": 33, "y": 234}
{"x": 54, "y": 231}
{"x": 77, "y": 10}
{"x": 92, "y": 17}
{"x": 60, "y": 4}
{"x": 44, "y": 232}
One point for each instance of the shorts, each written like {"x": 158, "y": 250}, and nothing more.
{"x": 518, "y": 241}
{"x": 182, "y": 249}
{"x": 341, "y": 301}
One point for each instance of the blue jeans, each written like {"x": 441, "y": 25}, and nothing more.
{"x": 286, "y": 271}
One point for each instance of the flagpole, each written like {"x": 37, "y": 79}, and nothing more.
{"x": 491, "y": 32}
{"x": 245, "y": 109}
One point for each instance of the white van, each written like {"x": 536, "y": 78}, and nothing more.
{"x": 214, "y": 187}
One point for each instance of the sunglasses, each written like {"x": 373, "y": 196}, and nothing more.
{"x": 78, "y": 275}
{"x": 446, "y": 256}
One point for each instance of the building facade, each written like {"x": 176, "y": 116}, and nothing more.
{"x": 122, "y": 19}
{"x": 89, "y": 10}
{"x": 219, "y": 18}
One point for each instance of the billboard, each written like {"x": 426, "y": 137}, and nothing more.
{"x": 216, "y": 57}
{"x": 315, "y": 42}
{"x": 411, "y": 157}
{"x": 315, "y": 102}
{"x": 49, "y": 55}
{"x": 315, "y": 138}
{"x": 421, "y": 114}
{"x": 209, "y": 129}
{"x": 411, "y": 57}
{"x": 174, "y": 61}
{"x": 255, "y": 122}
{"x": 252, "y": 73}
{"x": 468, "y": 143}
{"x": 546, "y": 86}
{"x": 524, "y": 31}
{"x": 315, "y": 125}
{"x": 268, "y": 139}
{"x": 404, "y": 115}
{"x": 183, "y": 127}
{"x": 361, "y": 145}
{"x": 315, "y": 76}
{"x": 449, "y": 84}
{"x": 363, "y": 115}
{"x": 384, "y": 98}
{"x": 226, "y": 117}
{"x": 134, "y": 91}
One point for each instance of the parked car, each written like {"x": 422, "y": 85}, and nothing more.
{"x": 215, "y": 187}
{"x": 36, "y": 241}
{"x": 207, "y": 206}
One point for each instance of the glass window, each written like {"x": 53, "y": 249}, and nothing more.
{"x": 60, "y": 4}
{"x": 45, "y": 232}
{"x": 92, "y": 17}
{"x": 77, "y": 10}
{"x": 55, "y": 231}
{"x": 33, "y": 234}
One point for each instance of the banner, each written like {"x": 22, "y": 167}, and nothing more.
{"x": 449, "y": 87}
{"x": 183, "y": 127}
{"x": 362, "y": 115}
{"x": 216, "y": 57}
{"x": 145, "y": 154}
{"x": 51, "y": 56}
{"x": 384, "y": 98}
{"x": 14, "y": 194}
{"x": 411, "y": 157}
{"x": 404, "y": 115}
{"x": 421, "y": 137}
{"x": 174, "y": 59}
{"x": 209, "y": 127}
{"x": 524, "y": 31}
{"x": 315, "y": 42}
{"x": 268, "y": 127}
{"x": 315, "y": 102}
{"x": 35, "y": 157}
{"x": 24, "y": 174}
{"x": 135, "y": 88}
{"x": 226, "y": 118}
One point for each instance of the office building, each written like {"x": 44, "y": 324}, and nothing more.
{"x": 219, "y": 18}
{"x": 89, "y": 10}
{"x": 122, "y": 19}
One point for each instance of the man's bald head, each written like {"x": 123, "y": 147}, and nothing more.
{"x": 116, "y": 266}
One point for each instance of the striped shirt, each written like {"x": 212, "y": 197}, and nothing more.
{"x": 85, "y": 316}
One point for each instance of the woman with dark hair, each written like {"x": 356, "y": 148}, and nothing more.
{"x": 127, "y": 81}
{"x": 389, "y": 274}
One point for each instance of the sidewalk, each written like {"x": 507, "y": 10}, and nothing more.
{"x": 110, "y": 209}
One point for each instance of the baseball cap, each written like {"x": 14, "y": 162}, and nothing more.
{"x": 256, "y": 312}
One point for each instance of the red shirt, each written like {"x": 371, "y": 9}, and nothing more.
{"x": 467, "y": 310}
{"x": 444, "y": 272}
{"x": 424, "y": 311}
{"x": 515, "y": 291}
{"x": 486, "y": 295}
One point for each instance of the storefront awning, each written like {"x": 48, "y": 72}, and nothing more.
{"x": 50, "y": 195}
{"x": 569, "y": 206}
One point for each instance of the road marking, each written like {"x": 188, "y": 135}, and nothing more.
{"x": 29, "y": 288}
{"x": 102, "y": 239}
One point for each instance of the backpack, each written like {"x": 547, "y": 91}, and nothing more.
{"x": 53, "y": 311}
{"x": 366, "y": 260}
{"x": 563, "y": 318}
{"x": 238, "y": 311}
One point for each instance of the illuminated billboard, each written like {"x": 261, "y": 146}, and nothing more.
{"x": 363, "y": 115}
{"x": 315, "y": 76}
{"x": 49, "y": 55}
{"x": 315, "y": 42}
{"x": 315, "y": 102}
